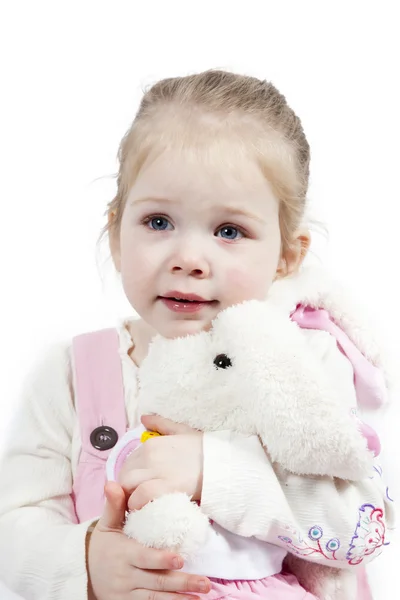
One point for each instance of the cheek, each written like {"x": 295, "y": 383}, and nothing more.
{"x": 245, "y": 284}
{"x": 136, "y": 266}
{"x": 253, "y": 278}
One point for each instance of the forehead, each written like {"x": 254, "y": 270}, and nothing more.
{"x": 220, "y": 170}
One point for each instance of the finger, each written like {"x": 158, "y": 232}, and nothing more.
{"x": 151, "y": 558}
{"x": 173, "y": 581}
{"x": 165, "y": 426}
{"x": 148, "y": 491}
{"x": 132, "y": 479}
{"x": 113, "y": 516}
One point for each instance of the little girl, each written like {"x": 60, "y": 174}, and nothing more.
{"x": 209, "y": 212}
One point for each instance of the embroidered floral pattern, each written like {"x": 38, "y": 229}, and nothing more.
{"x": 369, "y": 535}
{"x": 313, "y": 545}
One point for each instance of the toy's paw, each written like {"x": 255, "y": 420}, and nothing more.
{"x": 326, "y": 583}
{"x": 171, "y": 522}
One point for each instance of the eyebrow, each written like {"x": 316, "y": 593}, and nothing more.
{"x": 154, "y": 199}
{"x": 233, "y": 211}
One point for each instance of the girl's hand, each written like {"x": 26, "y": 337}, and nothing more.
{"x": 172, "y": 462}
{"x": 120, "y": 569}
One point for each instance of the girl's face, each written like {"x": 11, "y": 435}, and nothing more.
{"x": 195, "y": 239}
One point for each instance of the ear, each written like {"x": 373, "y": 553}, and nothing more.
{"x": 292, "y": 258}
{"x": 114, "y": 240}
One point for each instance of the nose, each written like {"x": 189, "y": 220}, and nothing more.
{"x": 189, "y": 259}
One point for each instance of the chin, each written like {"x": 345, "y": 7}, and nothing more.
{"x": 184, "y": 328}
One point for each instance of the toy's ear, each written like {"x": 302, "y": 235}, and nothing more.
{"x": 305, "y": 425}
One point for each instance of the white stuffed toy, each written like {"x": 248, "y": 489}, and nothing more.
{"x": 252, "y": 373}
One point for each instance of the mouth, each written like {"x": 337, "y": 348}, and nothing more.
{"x": 179, "y": 302}
{"x": 180, "y": 297}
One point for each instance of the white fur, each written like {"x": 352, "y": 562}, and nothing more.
{"x": 171, "y": 522}
{"x": 326, "y": 583}
{"x": 276, "y": 388}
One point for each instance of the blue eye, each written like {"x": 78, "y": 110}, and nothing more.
{"x": 228, "y": 232}
{"x": 159, "y": 223}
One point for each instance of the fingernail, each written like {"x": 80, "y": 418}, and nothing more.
{"x": 202, "y": 585}
{"x": 177, "y": 563}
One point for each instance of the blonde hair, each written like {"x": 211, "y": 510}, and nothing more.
{"x": 254, "y": 112}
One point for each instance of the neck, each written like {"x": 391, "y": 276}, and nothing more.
{"x": 141, "y": 334}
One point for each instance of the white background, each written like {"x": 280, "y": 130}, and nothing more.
{"x": 71, "y": 78}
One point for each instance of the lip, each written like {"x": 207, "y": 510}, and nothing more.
{"x": 174, "y": 295}
{"x": 178, "y": 302}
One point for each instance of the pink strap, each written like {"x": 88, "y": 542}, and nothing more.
{"x": 99, "y": 394}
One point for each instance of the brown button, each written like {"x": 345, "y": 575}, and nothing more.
{"x": 103, "y": 438}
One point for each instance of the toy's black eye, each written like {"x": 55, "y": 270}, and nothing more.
{"x": 222, "y": 361}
